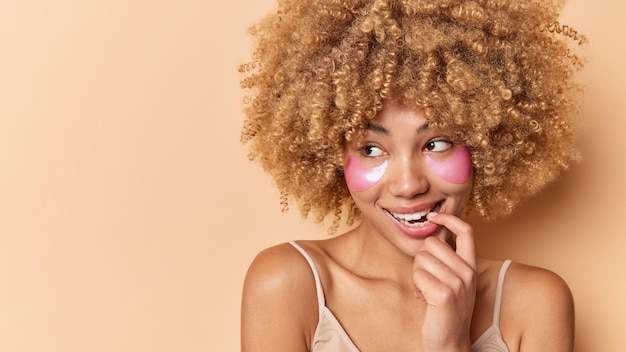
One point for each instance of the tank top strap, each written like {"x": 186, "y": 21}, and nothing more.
{"x": 321, "y": 302}
{"x": 499, "y": 288}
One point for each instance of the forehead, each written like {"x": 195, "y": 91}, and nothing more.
{"x": 399, "y": 118}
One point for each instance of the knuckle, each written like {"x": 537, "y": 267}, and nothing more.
{"x": 468, "y": 275}
{"x": 418, "y": 274}
{"x": 430, "y": 239}
{"x": 422, "y": 258}
{"x": 457, "y": 285}
{"x": 429, "y": 242}
{"x": 467, "y": 228}
{"x": 446, "y": 295}
{"x": 465, "y": 271}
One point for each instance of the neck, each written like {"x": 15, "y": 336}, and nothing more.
{"x": 373, "y": 257}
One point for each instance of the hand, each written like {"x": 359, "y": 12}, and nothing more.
{"x": 446, "y": 280}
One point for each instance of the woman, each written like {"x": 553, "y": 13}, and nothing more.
{"x": 406, "y": 116}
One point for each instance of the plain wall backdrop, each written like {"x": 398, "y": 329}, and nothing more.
{"x": 129, "y": 211}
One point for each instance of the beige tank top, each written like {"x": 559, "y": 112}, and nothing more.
{"x": 331, "y": 337}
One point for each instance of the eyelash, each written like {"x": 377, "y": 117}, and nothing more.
{"x": 449, "y": 145}
{"x": 365, "y": 147}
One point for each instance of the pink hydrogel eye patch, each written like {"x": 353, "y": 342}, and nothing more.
{"x": 457, "y": 169}
{"x": 360, "y": 177}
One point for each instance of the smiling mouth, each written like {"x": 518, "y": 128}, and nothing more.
{"x": 417, "y": 219}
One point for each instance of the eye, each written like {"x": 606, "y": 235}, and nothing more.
{"x": 438, "y": 145}
{"x": 371, "y": 151}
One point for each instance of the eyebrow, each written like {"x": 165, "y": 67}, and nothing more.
{"x": 378, "y": 128}
{"x": 423, "y": 127}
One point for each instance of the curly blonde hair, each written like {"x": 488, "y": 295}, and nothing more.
{"x": 497, "y": 75}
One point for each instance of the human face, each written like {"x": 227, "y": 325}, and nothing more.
{"x": 401, "y": 172}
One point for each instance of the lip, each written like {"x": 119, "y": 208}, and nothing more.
{"x": 416, "y": 232}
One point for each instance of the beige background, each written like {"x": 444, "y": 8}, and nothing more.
{"x": 129, "y": 212}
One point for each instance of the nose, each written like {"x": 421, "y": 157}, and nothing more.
{"x": 407, "y": 178}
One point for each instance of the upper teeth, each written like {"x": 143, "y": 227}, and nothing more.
{"x": 412, "y": 216}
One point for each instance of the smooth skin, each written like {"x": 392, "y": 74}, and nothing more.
{"x": 395, "y": 292}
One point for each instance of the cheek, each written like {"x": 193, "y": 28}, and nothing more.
{"x": 359, "y": 177}
{"x": 457, "y": 169}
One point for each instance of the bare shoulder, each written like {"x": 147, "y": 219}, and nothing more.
{"x": 538, "y": 309}
{"x": 537, "y": 290}
{"x": 277, "y": 268}
{"x": 279, "y": 309}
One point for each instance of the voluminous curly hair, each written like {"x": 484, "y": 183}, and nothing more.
{"x": 497, "y": 75}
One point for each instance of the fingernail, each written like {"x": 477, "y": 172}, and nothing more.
{"x": 431, "y": 215}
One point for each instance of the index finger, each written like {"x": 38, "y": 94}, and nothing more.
{"x": 465, "y": 246}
